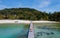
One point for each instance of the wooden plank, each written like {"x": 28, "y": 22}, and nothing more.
{"x": 31, "y": 31}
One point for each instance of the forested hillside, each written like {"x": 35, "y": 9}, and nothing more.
{"x": 28, "y": 14}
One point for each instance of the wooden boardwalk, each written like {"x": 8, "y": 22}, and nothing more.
{"x": 31, "y": 31}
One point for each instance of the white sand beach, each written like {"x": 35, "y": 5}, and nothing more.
{"x": 25, "y": 21}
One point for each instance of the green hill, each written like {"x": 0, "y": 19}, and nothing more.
{"x": 27, "y": 14}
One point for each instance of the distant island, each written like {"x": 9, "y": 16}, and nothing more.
{"x": 28, "y": 14}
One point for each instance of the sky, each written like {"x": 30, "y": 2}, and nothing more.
{"x": 41, "y": 5}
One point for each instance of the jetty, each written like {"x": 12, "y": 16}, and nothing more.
{"x": 31, "y": 31}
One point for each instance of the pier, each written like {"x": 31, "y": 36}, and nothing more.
{"x": 31, "y": 31}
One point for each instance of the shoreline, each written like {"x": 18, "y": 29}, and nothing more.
{"x": 26, "y": 21}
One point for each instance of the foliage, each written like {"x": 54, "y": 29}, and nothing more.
{"x": 28, "y": 14}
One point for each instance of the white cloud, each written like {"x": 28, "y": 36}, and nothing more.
{"x": 54, "y": 8}
{"x": 4, "y": 6}
{"x": 44, "y": 4}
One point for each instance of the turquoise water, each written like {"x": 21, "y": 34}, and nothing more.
{"x": 47, "y": 30}
{"x": 14, "y": 30}
{"x": 42, "y": 30}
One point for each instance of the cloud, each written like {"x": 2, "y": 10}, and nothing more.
{"x": 44, "y": 4}
{"x": 54, "y": 8}
{"x": 4, "y": 6}
{"x": 41, "y": 4}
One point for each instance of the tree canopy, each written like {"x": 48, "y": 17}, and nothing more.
{"x": 28, "y": 14}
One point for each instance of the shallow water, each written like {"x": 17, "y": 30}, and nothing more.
{"x": 47, "y": 30}
{"x": 14, "y": 30}
{"x": 42, "y": 30}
